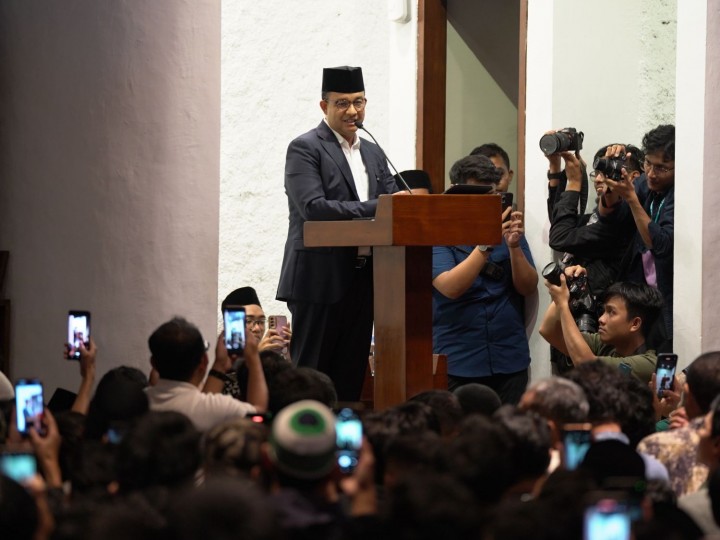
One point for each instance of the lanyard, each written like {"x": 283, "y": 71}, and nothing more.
{"x": 657, "y": 215}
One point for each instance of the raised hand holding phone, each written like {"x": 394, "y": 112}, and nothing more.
{"x": 78, "y": 333}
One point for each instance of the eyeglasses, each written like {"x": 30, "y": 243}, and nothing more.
{"x": 344, "y": 104}
{"x": 250, "y": 322}
{"x": 659, "y": 169}
{"x": 593, "y": 175}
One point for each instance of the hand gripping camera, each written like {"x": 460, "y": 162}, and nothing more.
{"x": 583, "y": 305}
{"x": 565, "y": 140}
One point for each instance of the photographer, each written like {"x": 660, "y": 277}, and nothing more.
{"x": 629, "y": 311}
{"x": 596, "y": 241}
{"x": 478, "y": 300}
{"x": 651, "y": 200}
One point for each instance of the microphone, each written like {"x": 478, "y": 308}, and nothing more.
{"x": 359, "y": 125}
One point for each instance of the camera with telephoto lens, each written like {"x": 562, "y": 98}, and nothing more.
{"x": 610, "y": 167}
{"x": 565, "y": 140}
{"x": 583, "y": 304}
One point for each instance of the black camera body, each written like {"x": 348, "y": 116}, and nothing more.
{"x": 583, "y": 305}
{"x": 565, "y": 140}
{"x": 610, "y": 167}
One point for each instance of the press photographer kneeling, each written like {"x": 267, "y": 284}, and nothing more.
{"x": 629, "y": 311}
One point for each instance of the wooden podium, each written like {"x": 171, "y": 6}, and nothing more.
{"x": 402, "y": 235}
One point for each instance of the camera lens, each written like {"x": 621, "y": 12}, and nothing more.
{"x": 552, "y": 272}
{"x": 551, "y": 144}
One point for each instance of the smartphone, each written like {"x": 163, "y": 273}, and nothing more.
{"x": 277, "y": 322}
{"x": 234, "y": 321}
{"x": 577, "y": 439}
{"x": 349, "y": 433}
{"x": 665, "y": 372}
{"x": 506, "y": 200}
{"x": 607, "y": 519}
{"x": 18, "y": 465}
{"x": 29, "y": 405}
{"x": 78, "y": 331}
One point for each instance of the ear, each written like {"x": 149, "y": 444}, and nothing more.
{"x": 204, "y": 362}
{"x": 324, "y": 106}
{"x": 636, "y": 324}
{"x": 511, "y": 173}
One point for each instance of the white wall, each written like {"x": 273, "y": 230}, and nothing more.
{"x": 273, "y": 53}
{"x": 614, "y": 80}
{"x": 109, "y": 118}
{"x": 477, "y": 109}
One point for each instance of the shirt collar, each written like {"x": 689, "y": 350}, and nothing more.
{"x": 342, "y": 140}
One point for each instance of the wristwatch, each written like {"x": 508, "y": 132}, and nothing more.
{"x": 554, "y": 175}
{"x": 484, "y": 248}
{"x": 219, "y": 375}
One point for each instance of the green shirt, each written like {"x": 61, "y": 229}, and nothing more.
{"x": 642, "y": 364}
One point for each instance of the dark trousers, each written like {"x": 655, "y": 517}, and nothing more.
{"x": 510, "y": 387}
{"x": 335, "y": 338}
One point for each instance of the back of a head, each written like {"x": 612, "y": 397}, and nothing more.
{"x": 18, "y": 512}
{"x": 490, "y": 150}
{"x": 431, "y": 506}
{"x": 480, "y": 457}
{"x": 610, "y": 460}
{"x": 477, "y": 168}
{"x": 296, "y": 384}
{"x": 641, "y": 300}
{"x": 177, "y": 348}
{"x": 703, "y": 379}
{"x": 119, "y": 399}
{"x": 233, "y": 447}
{"x": 558, "y": 399}
{"x": 446, "y": 407}
{"x": 302, "y": 442}
{"x": 637, "y": 418}
{"x": 222, "y": 509}
{"x": 162, "y": 449}
{"x": 273, "y": 363}
{"x": 529, "y": 437}
{"x": 477, "y": 398}
{"x": 604, "y": 389}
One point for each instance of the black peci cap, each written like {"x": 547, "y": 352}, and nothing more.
{"x": 344, "y": 79}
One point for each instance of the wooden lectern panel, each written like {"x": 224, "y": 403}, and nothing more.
{"x": 402, "y": 235}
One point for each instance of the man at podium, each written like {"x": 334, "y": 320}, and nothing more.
{"x": 478, "y": 300}
{"x": 332, "y": 174}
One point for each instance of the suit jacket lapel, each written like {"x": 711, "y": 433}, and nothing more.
{"x": 332, "y": 147}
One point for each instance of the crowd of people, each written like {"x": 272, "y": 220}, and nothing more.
{"x": 211, "y": 443}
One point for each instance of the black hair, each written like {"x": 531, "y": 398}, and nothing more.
{"x": 18, "y": 511}
{"x": 661, "y": 139}
{"x": 637, "y": 418}
{"x": 177, "y": 348}
{"x": 490, "y": 150}
{"x": 641, "y": 301}
{"x": 296, "y": 384}
{"x": 478, "y": 168}
{"x": 603, "y": 385}
{"x": 558, "y": 399}
{"x": 703, "y": 379}
{"x": 476, "y": 398}
{"x": 445, "y": 406}
{"x": 530, "y": 440}
{"x": 163, "y": 449}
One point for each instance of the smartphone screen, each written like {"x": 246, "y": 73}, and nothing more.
{"x": 18, "y": 465}
{"x": 234, "y": 321}
{"x": 28, "y": 404}
{"x": 78, "y": 331}
{"x": 577, "y": 439}
{"x": 348, "y": 430}
{"x": 608, "y": 519}
{"x": 665, "y": 372}
{"x": 506, "y": 201}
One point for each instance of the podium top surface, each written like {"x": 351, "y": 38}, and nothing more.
{"x": 416, "y": 220}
